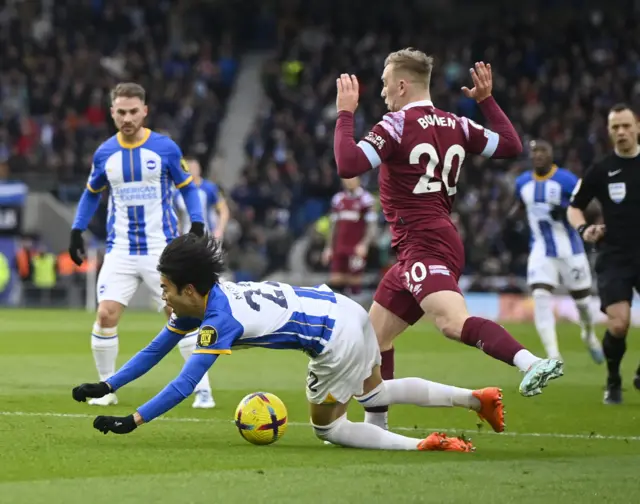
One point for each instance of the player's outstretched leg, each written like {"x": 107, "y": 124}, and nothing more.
{"x": 203, "y": 396}
{"x": 104, "y": 345}
{"x": 340, "y": 431}
{"x": 486, "y": 402}
{"x": 450, "y": 314}
{"x": 545, "y": 321}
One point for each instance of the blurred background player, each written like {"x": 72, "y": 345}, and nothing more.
{"x": 353, "y": 228}
{"x": 214, "y": 206}
{"x": 557, "y": 251}
{"x": 138, "y": 166}
{"x": 216, "y": 217}
{"x": 615, "y": 183}
{"x": 419, "y": 151}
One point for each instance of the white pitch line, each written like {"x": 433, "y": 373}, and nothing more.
{"x": 303, "y": 424}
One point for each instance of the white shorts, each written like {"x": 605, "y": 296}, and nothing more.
{"x": 339, "y": 372}
{"x": 121, "y": 275}
{"x": 574, "y": 272}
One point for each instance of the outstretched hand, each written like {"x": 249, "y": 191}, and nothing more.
{"x": 348, "y": 93}
{"x": 482, "y": 82}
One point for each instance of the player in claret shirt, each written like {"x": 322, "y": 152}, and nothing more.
{"x": 353, "y": 228}
{"x": 419, "y": 150}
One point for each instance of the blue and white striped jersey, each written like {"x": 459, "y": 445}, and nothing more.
{"x": 141, "y": 175}
{"x": 545, "y": 199}
{"x": 209, "y": 196}
{"x": 263, "y": 314}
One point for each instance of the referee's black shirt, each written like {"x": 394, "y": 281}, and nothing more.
{"x": 615, "y": 183}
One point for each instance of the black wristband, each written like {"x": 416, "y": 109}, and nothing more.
{"x": 581, "y": 228}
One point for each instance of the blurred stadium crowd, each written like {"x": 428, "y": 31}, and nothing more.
{"x": 556, "y": 72}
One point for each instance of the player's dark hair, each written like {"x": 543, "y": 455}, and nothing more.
{"x": 128, "y": 90}
{"x": 620, "y": 107}
{"x": 192, "y": 260}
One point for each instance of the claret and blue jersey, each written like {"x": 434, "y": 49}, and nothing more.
{"x": 237, "y": 315}
{"x": 543, "y": 197}
{"x": 140, "y": 177}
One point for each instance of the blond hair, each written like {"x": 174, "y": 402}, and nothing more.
{"x": 128, "y": 90}
{"x": 413, "y": 62}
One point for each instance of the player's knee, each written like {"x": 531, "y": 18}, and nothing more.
{"x": 107, "y": 316}
{"x": 619, "y": 326}
{"x": 451, "y": 325}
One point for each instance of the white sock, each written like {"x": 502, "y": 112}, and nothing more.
{"x": 419, "y": 392}
{"x": 187, "y": 345}
{"x": 523, "y": 360}
{"x": 104, "y": 345}
{"x": 586, "y": 319}
{"x": 379, "y": 418}
{"x": 363, "y": 435}
{"x": 545, "y": 321}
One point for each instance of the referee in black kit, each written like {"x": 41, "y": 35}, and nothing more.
{"x": 615, "y": 183}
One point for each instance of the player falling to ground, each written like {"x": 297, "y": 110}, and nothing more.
{"x": 353, "y": 228}
{"x": 419, "y": 151}
{"x": 139, "y": 167}
{"x": 216, "y": 214}
{"x": 557, "y": 251}
{"x": 334, "y": 331}
{"x": 614, "y": 182}
{"x": 216, "y": 210}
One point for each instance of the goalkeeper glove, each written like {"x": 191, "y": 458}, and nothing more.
{"x": 197, "y": 228}
{"x": 82, "y": 392}
{"x": 76, "y": 246}
{"x": 117, "y": 425}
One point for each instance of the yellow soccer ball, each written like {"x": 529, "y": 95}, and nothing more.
{"x": 261, "y": 418}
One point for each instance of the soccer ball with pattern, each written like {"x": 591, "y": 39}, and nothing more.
{"x": 261, "y": 418}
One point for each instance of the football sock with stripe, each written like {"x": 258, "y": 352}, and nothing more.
{"x": 104, "y": 345}
{"x": 420, "y": 393}
{"x": 186, "y": 346}
{"x": 380, "y": 415}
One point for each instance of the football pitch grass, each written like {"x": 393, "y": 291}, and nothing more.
{"x": 563, "y": 446}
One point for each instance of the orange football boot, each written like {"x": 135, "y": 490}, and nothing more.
{"x": 491, "y": 407}
{"x": 438, "y": 441}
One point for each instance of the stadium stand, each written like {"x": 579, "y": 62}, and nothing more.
{"x": 557, "y": 86}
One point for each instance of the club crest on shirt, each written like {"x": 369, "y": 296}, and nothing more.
{"x": 207, "y": 336}
{"x": 617, "y": 191}
{"x": 184, "y": 165}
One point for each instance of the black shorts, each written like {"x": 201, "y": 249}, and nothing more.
{"x": 618, "y": 274}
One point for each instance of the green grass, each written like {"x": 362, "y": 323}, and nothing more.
{"x": 197, "y": 456}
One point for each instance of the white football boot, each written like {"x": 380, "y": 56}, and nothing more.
{"x": 203, "y": 400}
{"x": 108, "y": 400}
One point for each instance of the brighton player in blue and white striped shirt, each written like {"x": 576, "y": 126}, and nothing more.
{"x": 331, "y": 329}
{"x": 557, "y": 252}
{"x": 139, "y": 167}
